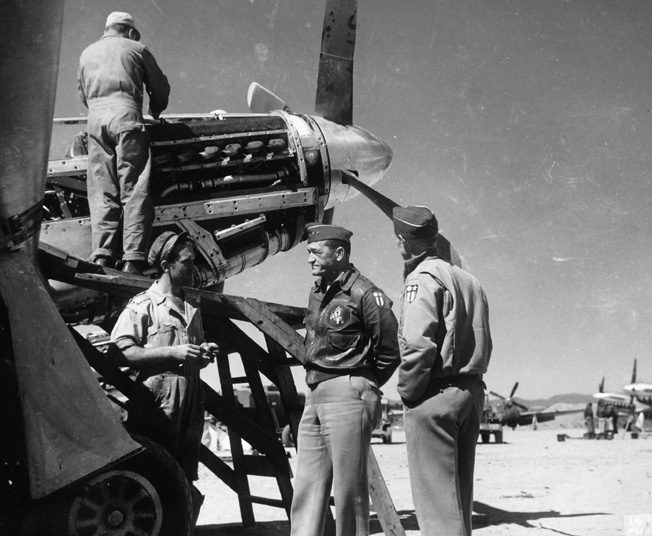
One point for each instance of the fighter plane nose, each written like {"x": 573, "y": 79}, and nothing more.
{"x": 354, "y": 149}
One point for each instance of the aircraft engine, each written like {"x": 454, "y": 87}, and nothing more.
{"x": 243, "y": 185}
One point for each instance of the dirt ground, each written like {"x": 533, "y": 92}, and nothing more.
{"x": 531, "y": 484}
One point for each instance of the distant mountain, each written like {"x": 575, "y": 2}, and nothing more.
{"x": 569, "y": 398}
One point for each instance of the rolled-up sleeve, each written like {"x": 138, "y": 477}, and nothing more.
{"x": 130, "y": 329}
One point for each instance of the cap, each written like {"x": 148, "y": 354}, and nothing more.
{"x": 414, "y": 222}
{"x": 316, "y": 232}
{"x": 163, "y": 246}
{"x": 120, "y": 17}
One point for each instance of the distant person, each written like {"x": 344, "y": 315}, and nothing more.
{"x": 445, "y": 345}
{"x": 588, "y": 421}
{"x": 160, "y": 335}
{"x": 112, "y": 74}
{"x": 351, "y": 351}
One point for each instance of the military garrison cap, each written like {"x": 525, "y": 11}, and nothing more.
{"x": 315, "y": 232}
{"x": 414, "y": 222}
{"x": 120, "y": 17}
{"x": 163, "y": 246}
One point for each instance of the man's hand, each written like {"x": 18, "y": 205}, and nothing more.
{"x": 209, "y": 353}
{"x": 186, "y": 352}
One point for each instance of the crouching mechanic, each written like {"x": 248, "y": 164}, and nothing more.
{"x": 351, "y": 351}
{"x": 445, "y": 349}
{"x": 160, "y": 335}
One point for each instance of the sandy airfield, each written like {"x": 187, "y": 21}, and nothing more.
{"x": 531, "y": 484}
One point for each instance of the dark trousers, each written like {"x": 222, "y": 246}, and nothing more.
{"x": 441, "y": 433}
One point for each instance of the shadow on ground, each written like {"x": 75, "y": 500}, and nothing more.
{"x": 484, "y": 515}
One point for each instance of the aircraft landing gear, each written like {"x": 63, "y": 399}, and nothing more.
{"x": 147, "y": 494}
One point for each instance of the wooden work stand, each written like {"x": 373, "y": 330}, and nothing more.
{"x": 278, "y": 324}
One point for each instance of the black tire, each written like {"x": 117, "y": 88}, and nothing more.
{"x": 485, "y": 438}
{"x": 286, "y": 436}
{"x": 147, "y": 494}
{"x": 387, "y": 439}
{"x": 499, "y": 437}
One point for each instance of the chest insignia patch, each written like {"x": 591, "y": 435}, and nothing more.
{"x": 411, "y": 292}
{"x": 338, "y": 317}
{"x": 380, "y": 299}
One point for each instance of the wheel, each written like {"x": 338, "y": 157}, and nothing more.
{"x": 387, "y": 438}
{"x": 499, "y": 437}
{"x": 147, "y": 495}
{"x": 485, "y": 438}
{"x": 286, "y": 436}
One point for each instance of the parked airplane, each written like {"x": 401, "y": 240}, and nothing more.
{"x": 515, "y": 414}
{"x": 642, "y": 392}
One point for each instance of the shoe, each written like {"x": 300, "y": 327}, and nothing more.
{"x": 132, "y": 267}
{"x": 101, "y": 260}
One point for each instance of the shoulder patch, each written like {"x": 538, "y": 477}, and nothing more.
{"x": 380, "y": 298}
{"x": 411, "y": 292}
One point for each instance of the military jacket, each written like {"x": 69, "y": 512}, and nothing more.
{"x": 350, "y": 327}
{"x": 444, "y": 326}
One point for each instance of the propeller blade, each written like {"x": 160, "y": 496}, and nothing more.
{"x": 446, "y": 250}
{"x": 524, "y": 408}
{"x": 634, "y": 373}
{"x": 601, "y": 386}
{"x": 497, "y": 395}
{"x": 383, "y": 203}
{"x": 261, "y": 100}
{"x": 334, "y": 100}
{"x": 513, "y": 390}
{"x": 328, "y": 216}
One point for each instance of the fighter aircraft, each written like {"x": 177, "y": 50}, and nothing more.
{"x": 514, "y": 414}
{"x": 637, "y": 398}
{"x": 642, "y": 392}
{"x": 242, "y": 184}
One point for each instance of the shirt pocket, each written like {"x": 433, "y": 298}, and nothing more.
{"x": 162, "y": 334}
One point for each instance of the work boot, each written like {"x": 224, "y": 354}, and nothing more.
{"x": 133, "y": 267}
{"x": 101, "y": 260}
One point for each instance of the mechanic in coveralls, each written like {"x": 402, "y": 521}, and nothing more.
{"x": 445, "y": 345}
{"x": 351, "y": 351}
{"x": 112, "y": 74}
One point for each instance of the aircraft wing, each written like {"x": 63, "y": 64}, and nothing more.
{"x": 527, "y": 417}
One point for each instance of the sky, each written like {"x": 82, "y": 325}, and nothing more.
{"x": 525, "y": 126}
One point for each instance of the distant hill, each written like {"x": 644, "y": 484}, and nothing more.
{"x": 569, "y": 398}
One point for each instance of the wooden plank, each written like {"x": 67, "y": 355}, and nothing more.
{"x": 381, "y": 499}
{"x": 241, "y": 476}
{"x": 218, "y": 467}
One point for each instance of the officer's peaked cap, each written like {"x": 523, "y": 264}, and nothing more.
{"x": 315, "y": 232}
{"x": 414, "y": 222}
{"x": 163, "y": 246}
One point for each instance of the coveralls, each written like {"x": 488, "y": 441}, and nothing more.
{"x": 152, "y": 320}
{"x": 445, "y": 345}
{"x": 111, "y": 76}
{"x": 351, "y": 351}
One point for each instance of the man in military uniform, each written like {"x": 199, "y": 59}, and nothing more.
{"x": 112, "y": 74}
{"x": 445, "y": 347}
{"x": 160, "y": 334}
{"x": 351, "y": 351}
